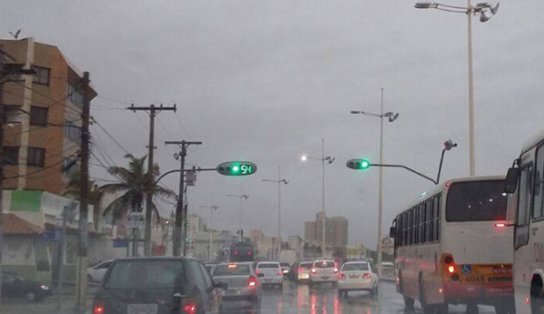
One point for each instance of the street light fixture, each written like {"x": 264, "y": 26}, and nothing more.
{"x": 242, "y": 197}
{"x": 391, "y": 116}
{"x": 330, "y": 160}
{"x": 279, "y": 181}
{"x": 485, "y": 11}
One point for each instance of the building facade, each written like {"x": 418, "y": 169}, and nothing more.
{"x": 336, "y": 231}
{"x": 42, "y": 125}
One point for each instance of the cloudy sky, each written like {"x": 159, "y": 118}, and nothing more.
{"x": 266, "y": 80}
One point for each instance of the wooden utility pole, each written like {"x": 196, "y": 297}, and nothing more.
{"x": 176, "y": 242}
{"x": 149, "y": 195}
{"x": 2, "y": 76}
{"x": 83, "y": 243}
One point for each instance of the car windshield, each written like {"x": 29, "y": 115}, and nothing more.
{"x": 267, "y": 265}
{"x": 324, "y": 264}
{"x": 231, "y": 270}
{"x": 476, "y": 201}
{"x": 355, "y": 266}
{"x": 146, "y": 274}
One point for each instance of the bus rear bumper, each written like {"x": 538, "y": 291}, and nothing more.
{"x": 478, "y": 294}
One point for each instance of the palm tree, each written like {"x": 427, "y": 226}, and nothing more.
{"x": 134, "y": 182}
{"x": 73, "y": 189}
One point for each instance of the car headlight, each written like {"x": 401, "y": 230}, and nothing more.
{"x": 44, "y": 287}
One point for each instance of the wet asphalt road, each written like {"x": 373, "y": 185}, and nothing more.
{"x": 324, "y": 299}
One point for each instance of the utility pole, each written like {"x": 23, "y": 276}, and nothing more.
{"x": 2, "y": 76}
{"x": 149, "y": 195}
{"x": 81, "y": 289}
{"x": 181, "y": 210}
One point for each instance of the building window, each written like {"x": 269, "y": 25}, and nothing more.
{"x": 41, "y": 76}
{"x": 72, "y": 131}
{"x": 11, "y": 155}
{"x": 12, "y": 114}
{"x": 75, "y": 96}
{"x": 38, "y": 115}
{"x": 36, "y": 157}
{"x": 13, "y": 70}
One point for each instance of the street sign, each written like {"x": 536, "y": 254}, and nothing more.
{"x": 118, "y": 243}
{"x": 136, "y": 221}
{"x": 50, "y": 235}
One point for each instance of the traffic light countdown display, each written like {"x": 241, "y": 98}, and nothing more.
{"x": 237, "y": 168}
{"x": 358, "y": 164}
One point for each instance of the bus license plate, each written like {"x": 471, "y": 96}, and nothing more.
{"x": 475, "y": 278}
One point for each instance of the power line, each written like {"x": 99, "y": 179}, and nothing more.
{"x": 109, "y": 135}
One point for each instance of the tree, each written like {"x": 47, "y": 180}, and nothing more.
{"x": 73, "y": 189}
{"x": 134, "y": 182}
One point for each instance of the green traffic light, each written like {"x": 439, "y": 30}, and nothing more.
{"x": 365, "y": 164}
{"x": 358, "y": 164}
{"x": 237, "y": 168}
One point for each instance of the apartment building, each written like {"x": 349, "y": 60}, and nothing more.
{"x": 336, "y": 231}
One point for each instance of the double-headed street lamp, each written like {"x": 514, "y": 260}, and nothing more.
{"x": 391, "y": 116}
{"x": 242, "y": 197}
{"x": 330, "y": 160}
{"x": 279, "y": 181}
{"x": 485, "y": 11}
{"x": 212, "y": 208}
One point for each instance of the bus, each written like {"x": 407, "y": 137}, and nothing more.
{"x": 241, "y": 252}
{"x": 454, "y": 246}
{"x": 525, "y": 184}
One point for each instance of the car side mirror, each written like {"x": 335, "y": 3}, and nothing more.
{"x": 392, "y": 232}
{"x": 511, "y": 181}
{"x": 260, "y": 275}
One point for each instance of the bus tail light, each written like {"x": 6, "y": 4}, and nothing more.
{"x": 449, "y": 265}
{"x": 98, "y": 309}
{"x": 335, "y": 270}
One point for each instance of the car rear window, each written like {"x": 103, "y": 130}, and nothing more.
{"x": 306, "y": 265}
{"x": 157, "y": 274}
{"x": 268, "y": 265}
{"x": 324, "y": 264}
{"x": 355, "y": 266}
{"x": 231, "y": 270}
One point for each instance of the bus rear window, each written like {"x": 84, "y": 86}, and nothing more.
{"x": 476, "y": 201}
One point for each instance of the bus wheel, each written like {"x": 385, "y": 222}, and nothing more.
{"x": 408, "y": 303}
{"x": 537, "y": 301}
{"x": 472, "y": 308}
{"x": 507, "y": 307}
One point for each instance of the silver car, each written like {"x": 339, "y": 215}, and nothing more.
{"x": 323, "y": 271}
{"x": 242, "y": 282}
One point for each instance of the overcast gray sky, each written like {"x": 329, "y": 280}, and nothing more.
{"x": 266, "y": 80}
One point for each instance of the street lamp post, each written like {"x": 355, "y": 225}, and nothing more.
{"x": 390, "y": 117}
{"x": 330, "y": 160}
{"x": 242, "y": 197}
{"x": 212, "y": 208}
{"x": 485, "y": 11}
{"x": 279, "y": 181}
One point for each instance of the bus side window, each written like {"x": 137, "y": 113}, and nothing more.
{"x": 409, "y": 227}
{"x": 416, "y": 225}
{"x": 405, "y": 228}
{"x": 436, "y": 218}
{"x": 538, "y": 211}
{"x": 521, "y": 236}
{"x": 429, "y": 221}
{"x": 422, "y": 223}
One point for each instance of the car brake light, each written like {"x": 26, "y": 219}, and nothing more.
{"x": 249, "y": 253}
{"x": 335, "y": 270}
{"x": 252, "y": 281}
{"x": 341, "y": 276}
{"x": 314, "y": 270}
{"x": 189, "y": 308}
{"x": 98, "y": 309}
{"x": 367, "y": 276}
{"x": 279, "y": 272}
{"x": 300, "y": 269}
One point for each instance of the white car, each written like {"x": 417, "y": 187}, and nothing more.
{"x": 357, "y": 276}
{"x": 96, "y": 273}
{"x": 323, "y": 271}
{"x": 272, "y": 273}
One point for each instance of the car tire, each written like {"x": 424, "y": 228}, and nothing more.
{"x": 30, "y": 296}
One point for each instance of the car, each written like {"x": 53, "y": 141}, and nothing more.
{"x": 357, "y": 275}
{"x": 323, "y": 271}
{"x": 242, "y": 282}
{"x": 272, "y": 273}
{"x": 16, "y": 286}
{"x": 96, "y": 272}
{"x": 285, "y": 268}
{"x": 302, "y": 271}
{"x": 157, "y": 285}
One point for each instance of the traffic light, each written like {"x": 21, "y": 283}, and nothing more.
{"x": 358, "y": 164}
{"x": 237, "y": 168}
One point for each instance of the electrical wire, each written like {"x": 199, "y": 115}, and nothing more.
{"x": 110, "y": 136}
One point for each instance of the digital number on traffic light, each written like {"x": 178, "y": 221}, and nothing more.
{"x": 237, "y": 168}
